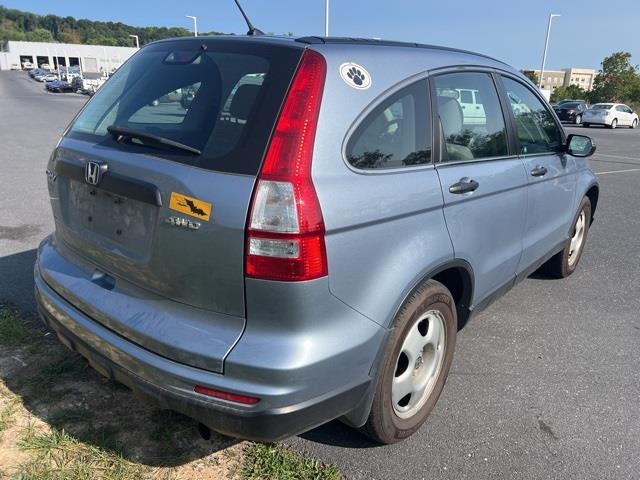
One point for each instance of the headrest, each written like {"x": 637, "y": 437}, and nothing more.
{"x": 243, "y": 101}
{"x": 451, "y": 115}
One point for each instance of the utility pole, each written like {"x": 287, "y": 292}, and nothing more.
{"x": 546, "y": 46}
{"x": 137, "y": 41}
{"x": 326, "y": 18}
{"x": 195, "y": 24}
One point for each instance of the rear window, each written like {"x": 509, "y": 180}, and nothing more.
{"x": 212, "y": 102}
{"x": 601, "y": 106}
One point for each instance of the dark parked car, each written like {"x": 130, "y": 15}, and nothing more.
{"x": 59, "y": 86}
{"x": 571, "y": 111}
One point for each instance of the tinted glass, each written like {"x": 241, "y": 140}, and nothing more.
{"x": 537, "y": 130}
{"x": 470, "y": 131}
{"x": 396, "y": 134}
{"x": 219, "y": 97}
{"x": 601, "y": 106}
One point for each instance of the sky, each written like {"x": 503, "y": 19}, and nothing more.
{"x": 510, "y": 30}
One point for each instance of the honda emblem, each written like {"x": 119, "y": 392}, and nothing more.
{"x": 93, "y": 172}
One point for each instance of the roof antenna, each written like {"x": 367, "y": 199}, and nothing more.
{"x": 252, "y": 30}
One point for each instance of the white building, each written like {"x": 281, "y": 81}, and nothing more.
{"x": 91, "y": 58}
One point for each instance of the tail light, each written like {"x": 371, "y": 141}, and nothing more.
{"x": 285, "y": 232}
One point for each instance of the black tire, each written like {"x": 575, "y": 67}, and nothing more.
{"x": 559, "y": 265}
{"x": 384, "y": 425}
{"x": 634, "y": 124}
{"x": 614, "y": 124}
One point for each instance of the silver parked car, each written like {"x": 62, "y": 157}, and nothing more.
{"x": 303, "y": 240}
{"x": 611, "y": 115}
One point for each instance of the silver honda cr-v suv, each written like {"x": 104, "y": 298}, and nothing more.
{"x": 267, "y": 234}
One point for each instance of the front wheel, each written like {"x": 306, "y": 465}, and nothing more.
{"x": 578, "y": 120}
{"x": 415, "y": 365}
{"x": 565, "y": 262}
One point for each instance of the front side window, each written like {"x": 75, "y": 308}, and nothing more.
{"x": 537, "y": 130}
{"x": 473, "y": 130}
{"x": 395, "y": 134}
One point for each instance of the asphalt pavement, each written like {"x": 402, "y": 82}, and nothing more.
{"x": 545, "y": 383}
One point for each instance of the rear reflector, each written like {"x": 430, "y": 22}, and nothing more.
{"x": 285, "y": 232}
{"x": 232, "y": 397}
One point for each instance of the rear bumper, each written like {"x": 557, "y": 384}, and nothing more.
{"x": 295, "y": 398}
{"x": 596, "y": 121}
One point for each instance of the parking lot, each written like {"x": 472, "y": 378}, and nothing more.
{"x": 545, "y": 383}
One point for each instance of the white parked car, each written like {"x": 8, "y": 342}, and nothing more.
{"x": 49, "y": 77}
{"x": 612, "y": 115}
{"x": 27, "y": 65}
{"x": 15, "y": 66}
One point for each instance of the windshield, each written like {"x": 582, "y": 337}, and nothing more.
{"x": 216, "y": 97}
{"x": 601, "y": 106}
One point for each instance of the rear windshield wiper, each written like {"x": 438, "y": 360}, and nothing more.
{"x": 122, "y": 133}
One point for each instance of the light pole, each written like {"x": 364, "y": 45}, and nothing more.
{"x": 195, "y": 24}
{"x": 137, "y": 41}
{"x": 546, "y": 46}
{"x": 326, "y": 18}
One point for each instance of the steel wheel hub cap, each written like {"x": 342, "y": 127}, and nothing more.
{"x": 419, "y": 364}
{"x": 578, "y": 238}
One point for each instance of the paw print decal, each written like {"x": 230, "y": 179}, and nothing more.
{"x": 356, "y": 76}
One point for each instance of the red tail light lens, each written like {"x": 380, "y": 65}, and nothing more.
{"x": 285, "y": 235}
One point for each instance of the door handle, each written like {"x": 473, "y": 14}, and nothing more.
{"x": 539, "y": 171}
{"x": 465, "y": 185}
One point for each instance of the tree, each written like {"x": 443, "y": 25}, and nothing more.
{"x": 617, "y": 80}
{"x": 569, "y": 92}
{"x": 39, "y": 35}
{"x": 531, "y": 75}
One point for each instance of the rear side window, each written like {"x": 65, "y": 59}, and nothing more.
{"x": 470, "y": 130}
{"x": 219, "y": 98}
{"x": 537, "y": 130}
{"x": 396, "y": 134}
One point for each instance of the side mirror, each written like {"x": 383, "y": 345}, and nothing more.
{"x": 580, "y": 146}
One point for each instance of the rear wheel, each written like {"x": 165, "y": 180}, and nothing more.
{"x": 614, "y": 123}
{"x": 634, "y": 124}
{"x": 578, "y": 120}
{"x": 565, "y": 262}
{"x": 415, "y": 365}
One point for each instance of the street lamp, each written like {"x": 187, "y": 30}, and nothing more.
{"x": 137, "y": 41}
{"x": 546, "y": 46}
{"x": 326, "y": 18}
{"x": 195, "y": 24}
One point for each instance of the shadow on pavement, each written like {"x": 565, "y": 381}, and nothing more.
{"x": 338, "y": 434}
{"x": 16, "y": 280}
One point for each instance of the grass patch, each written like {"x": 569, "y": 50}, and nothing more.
{"x": 56, "y": 455}
{"x": 13, "y": 330}
{"x": 264, "y": 462}
{"x": 6, "y": 416}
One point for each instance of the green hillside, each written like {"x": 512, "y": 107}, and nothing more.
{"x": 19, "y": 25}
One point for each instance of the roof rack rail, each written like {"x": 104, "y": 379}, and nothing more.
{"x": 313, "y": 40}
